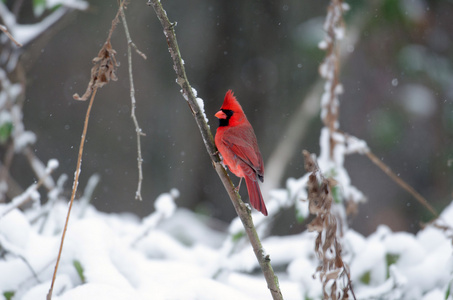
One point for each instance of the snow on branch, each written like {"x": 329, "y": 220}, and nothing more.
{"x": 165, "y": 207}
{"x": 25, "y": 33}
{"x": 32, "y": 192}
{"x": 329, "y": 69}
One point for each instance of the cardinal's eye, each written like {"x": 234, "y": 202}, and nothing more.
{"x": 228, "y": 112}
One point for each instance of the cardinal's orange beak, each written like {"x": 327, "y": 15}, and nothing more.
{"x": 220, "y": 115}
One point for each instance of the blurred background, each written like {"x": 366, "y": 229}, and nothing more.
{"x": 397, "y": 75}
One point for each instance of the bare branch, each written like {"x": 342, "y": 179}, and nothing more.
{"x": 38, "y": 167}
{"x": 5, "y": 31}
{"x": 138, "y": 130}
{"x": 30, "y": 193}
{"x": 386, "y": 169}
{"x": 136, "y": 49}
{"x": 188, "y": 94}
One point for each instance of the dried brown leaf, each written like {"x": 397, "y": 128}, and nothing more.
{"x": 315, "y": 225}
{"x": 327, "y": 248}
{"x": 309, "y": 164}
{"x": 102, "y": 72}
{"x": 333, "y": 294}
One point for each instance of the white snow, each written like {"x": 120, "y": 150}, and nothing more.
{"x": 355, "y": 145}
{"x": 201, "y": 105}
{"x": 25, "y": 33}
{"x": 165, "y": 203}
{"x": 195, "y": 93}
{"x": 76, "y": 4}
{"x": 52, "y": 164}
{"x": 322, "y": 45}
{"x": 176, "y": 254}
{"x": 5, "y": 117}
{"x": 14, "y": 230}
{"x": 24, "y": 139}
{"x": 161, "y": 264}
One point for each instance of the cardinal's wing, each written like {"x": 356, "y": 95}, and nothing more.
{"x": 242, "y": 142}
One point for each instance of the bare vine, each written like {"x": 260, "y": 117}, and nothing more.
{"x": 102, "y": 72}
{"x": 138, "y": 130}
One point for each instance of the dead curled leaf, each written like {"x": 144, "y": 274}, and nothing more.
{"x": 102, "y": 72}
{"x": 327, "y": 246}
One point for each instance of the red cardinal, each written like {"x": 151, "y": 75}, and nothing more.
{"x": 237, "y": 144}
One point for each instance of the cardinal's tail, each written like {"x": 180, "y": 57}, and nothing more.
{"x": 256, "y": 199}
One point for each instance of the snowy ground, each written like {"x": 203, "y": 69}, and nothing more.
{"x": 173, "y": 254}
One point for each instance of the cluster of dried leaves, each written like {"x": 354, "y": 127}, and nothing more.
{"x": 103, "y": 70}
{"x": 105, "y": 63}
{"x": 327, "y": 247}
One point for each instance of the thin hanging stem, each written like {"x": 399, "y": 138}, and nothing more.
{"x": 74, "y": 190}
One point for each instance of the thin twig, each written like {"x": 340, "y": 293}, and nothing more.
{"x": 188, "y": 94}
{"x": 136, "y": 49}
{"x": 74, "y": 189}
{"x": 52, "y": 199}
{"x": 38, "y": 167}
{"x": 102, "y": 73}
{"x": 138, "y": 130}
{"x": 26, "y": 196}
{"x": 5, "y": 30}
{"x": 29, "y": 266}
{"x": 386, "y": 169}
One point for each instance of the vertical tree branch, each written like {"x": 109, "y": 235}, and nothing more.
{"x": 330, "y": 69}
{"x": 188, "y": 94}
{"x": 138, "y": 130}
